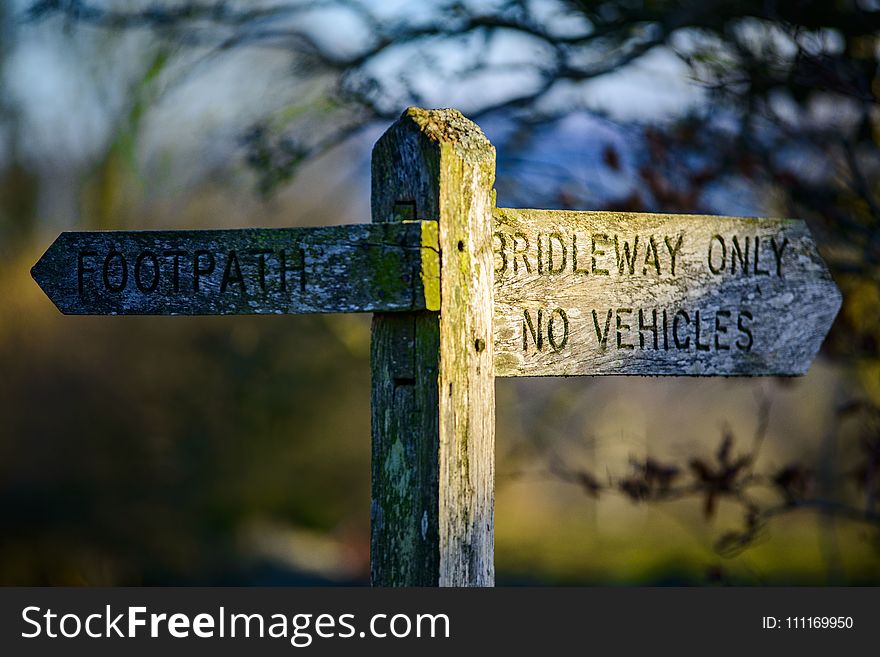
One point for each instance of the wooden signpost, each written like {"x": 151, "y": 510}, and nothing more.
{"x": 463, "y": 292}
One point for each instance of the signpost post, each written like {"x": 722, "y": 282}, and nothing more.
{"x": 462, "y": 292}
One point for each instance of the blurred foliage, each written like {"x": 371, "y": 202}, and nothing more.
{"x": 111, "y": 184}
{"x": 138, "y": 453}
{"x": 190, "y": 433}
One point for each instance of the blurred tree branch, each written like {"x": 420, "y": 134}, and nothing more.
{"x": 756, "y": 58}
{"x": 731, "y": 477}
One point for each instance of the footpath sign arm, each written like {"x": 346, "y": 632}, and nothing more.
{"x": 246, "y": 271}
{"x": 433, "y": 395}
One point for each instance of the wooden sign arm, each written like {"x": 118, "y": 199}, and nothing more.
{"x": 389, "y": 267}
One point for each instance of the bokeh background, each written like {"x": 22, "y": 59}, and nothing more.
{"x": 236, "y": 450}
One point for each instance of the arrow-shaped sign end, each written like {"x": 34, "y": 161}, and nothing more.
{"x": 824, "y": 322}
{"x": 42, "y": 272}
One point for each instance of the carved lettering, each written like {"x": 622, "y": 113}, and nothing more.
{"x": 203, "y": 265}
{"x": 521, "y": 248}
{"x": 651, "y": 257}
{"x": 553, "y": 338}
{"x": 600, "y": 336}
{"x": 540, "y": 255}
{"x": 599, "y": 241}
{"x": 758, "y": 270}
{"x": 115, "y": 261}
{"x": 557, "y": 329}
{"x": 648, "y": 327}
{"x": 296, "y": 264}
{"x": 745, "y": 254}
{"x": 558, "y": 252}
{"x": 622, "y": 328}
{"x": 701, "y": 346}
{"x": 557, "y": 237}
{"x": 574, "y": 257}
{"x": 175, "y": 276}
{"x": 501, "y": 251}
{"x": 232, "y": 273}
{"x": 261, "y": 265}
{"x": 81, "y": 268}
{"x": 529, "y": 329}
{"x": 737, "y": 254}
{"x": 778, "y": 250}
{"x": 626, "y": 254}
{"x": 139, "y": 271}
{"x": 673, "y": 251}
{"x": 720, "y": 330}
{"x": 700, "y": 329}
{"x": 723, "y": 249}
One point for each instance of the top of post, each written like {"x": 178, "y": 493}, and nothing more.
{"x": 408, "y": 158}
{"x": 451, "y": 126}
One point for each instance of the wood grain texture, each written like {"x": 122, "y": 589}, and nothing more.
{"x": 586, "y": 293}
{"x": 433, "y": 382}
{"x": 359, "y": 268}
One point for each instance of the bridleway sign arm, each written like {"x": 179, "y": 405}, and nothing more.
{"x": 586, "y": 293}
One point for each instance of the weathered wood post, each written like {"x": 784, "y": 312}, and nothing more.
{"x": 433, "y": 391}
